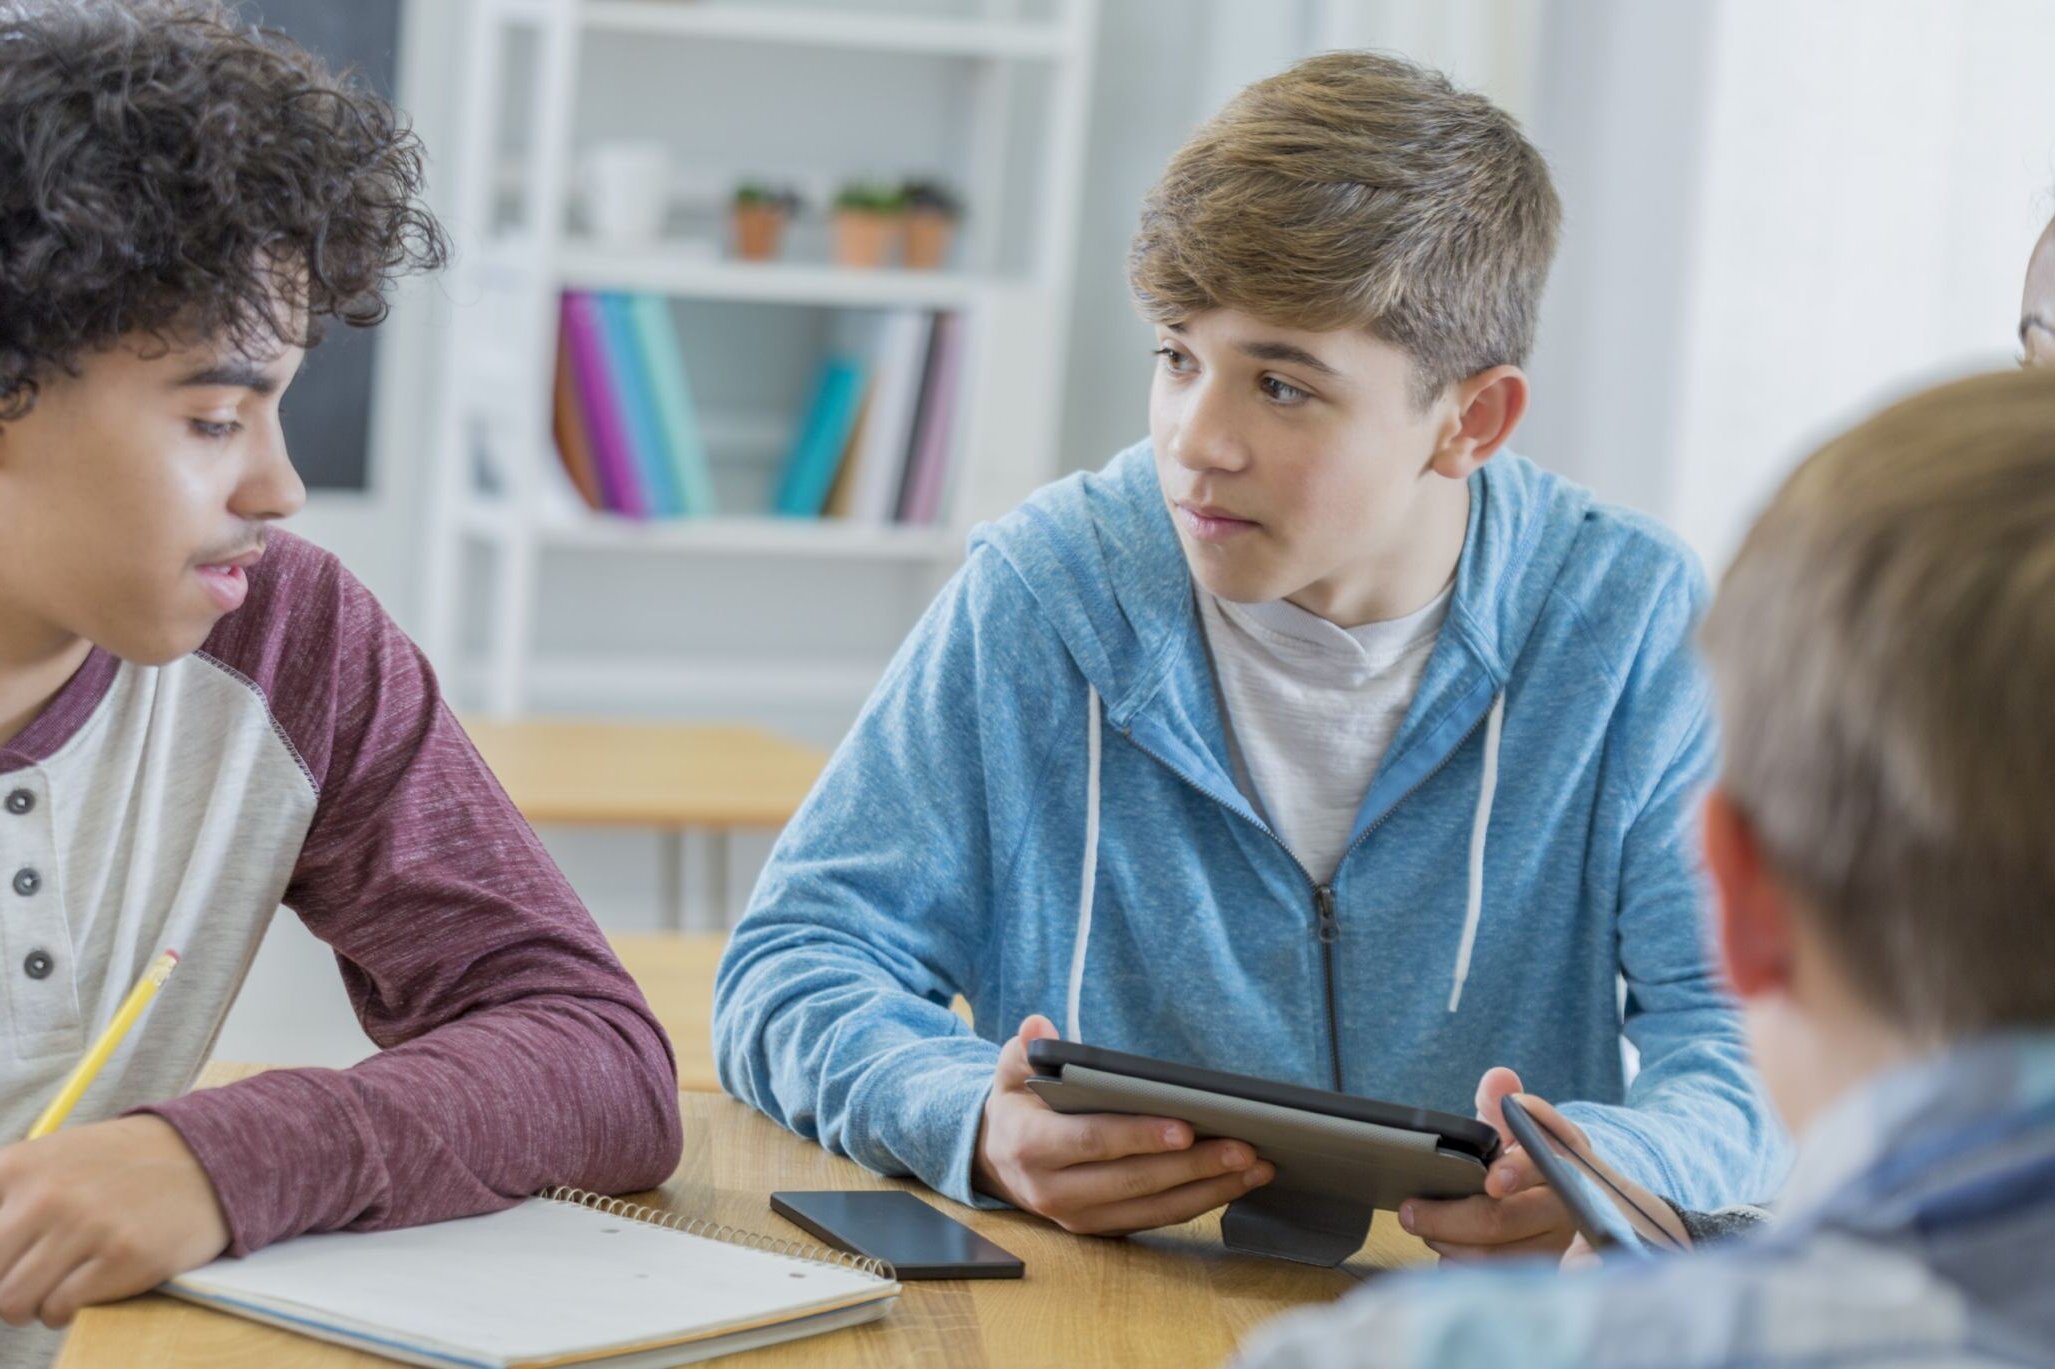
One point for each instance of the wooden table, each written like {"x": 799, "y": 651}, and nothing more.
{"x": 1166, "y": 1298}
{"x": 691, "y": 783}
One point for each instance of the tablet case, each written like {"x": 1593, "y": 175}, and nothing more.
{"x": 1332, "y": 1172}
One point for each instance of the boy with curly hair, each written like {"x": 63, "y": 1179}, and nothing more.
{"x": 202, "y": 718}
{"x": 1316, "y": 737}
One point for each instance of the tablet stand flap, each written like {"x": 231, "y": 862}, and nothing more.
{"x": 1300, "y": 1225}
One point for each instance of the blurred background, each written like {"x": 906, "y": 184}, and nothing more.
{"x": 760, "y": 306}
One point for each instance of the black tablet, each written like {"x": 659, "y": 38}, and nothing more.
{"x": 1464, "y": 1135}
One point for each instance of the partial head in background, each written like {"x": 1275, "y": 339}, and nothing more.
{"x": 184, "y": 199}
{"x": 1344, "y": 267}
{"x": 2037, "y": 304}
{"x": 1881, "y": 649}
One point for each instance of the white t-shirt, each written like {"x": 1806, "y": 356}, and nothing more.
{"x": 1310, "y": 709}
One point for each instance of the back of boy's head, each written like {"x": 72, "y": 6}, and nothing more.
{"x": 167, "y": 169}
{"x": 1883, "y": 646}
{"x": 1357, "y": 190}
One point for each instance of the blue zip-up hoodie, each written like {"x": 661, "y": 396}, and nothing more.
{"x": 1036, "y": 810}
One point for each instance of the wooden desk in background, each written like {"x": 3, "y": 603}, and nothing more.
{"x": 692, "y": 784}
{"x": 1165, "y": 1298}
{"x": 676, "y": 972}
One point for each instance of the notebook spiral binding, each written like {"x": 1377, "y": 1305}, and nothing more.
{"x": 727, "y": 1235}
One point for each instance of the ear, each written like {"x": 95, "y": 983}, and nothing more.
{"x": 1752, "y": 909}
{"x": 1487, "y": 407}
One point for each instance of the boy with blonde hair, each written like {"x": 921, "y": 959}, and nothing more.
{"x": 1880, "y": 839}
{"x": 1315, "y": 737}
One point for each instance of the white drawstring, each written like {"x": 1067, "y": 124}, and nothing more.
{"x": 1473, "y": 912}
{"x": 1084, "y": 897}
{"x": 1487, "y": 790}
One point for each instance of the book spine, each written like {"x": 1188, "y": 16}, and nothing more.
{"x": 841, "y": 491}
{"x": 678, "y": 417}
{"x": 888, "y": 427}
{"x": 926, "y": 471}
{"x": 574, "y": 443}
{"x": 810, "y": 470}
{"x": 610, "y": 456}
{"x": 627, "y": 369}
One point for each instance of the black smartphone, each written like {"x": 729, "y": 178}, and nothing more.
{"x": 893, "y": 1225}
{"x": 1608, "y": 1216}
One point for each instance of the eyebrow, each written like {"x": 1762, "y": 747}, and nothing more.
{"x": 239, "y": 374}
{"x": 1279, "y": 351}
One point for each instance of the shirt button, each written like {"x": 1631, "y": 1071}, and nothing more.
{"x": 38, "y": 965}
{"x": 20, "y": 801}
{"x": 26, "y": 882}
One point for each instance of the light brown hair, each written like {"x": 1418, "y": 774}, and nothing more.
{"x": 1357, "y": 190}
{"x": 1884, "y": 652}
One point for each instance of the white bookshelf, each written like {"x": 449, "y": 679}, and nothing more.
{"x": 733, "y": 535}
{"x": 986, "y": 36}
{"x": 583, "y": 266}
{"x": 997, "y": 90}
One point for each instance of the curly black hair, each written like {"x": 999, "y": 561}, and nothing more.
{"x": 169, "y": 170}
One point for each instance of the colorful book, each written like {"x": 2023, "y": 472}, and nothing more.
{"x": 612, "y": 458}
{"x": 677, "y": 416}
{"x": 886, "y": 435}
{"x": 628, "y": 373}
{"x": 810, "y": 467}
{"x": 574, "y": 446}
{"x": 920, "y": 499}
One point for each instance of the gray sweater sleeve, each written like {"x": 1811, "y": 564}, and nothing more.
{"x": 1705, "y": 1228}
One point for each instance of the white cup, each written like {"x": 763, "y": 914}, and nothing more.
{"x": 627, "y": 189}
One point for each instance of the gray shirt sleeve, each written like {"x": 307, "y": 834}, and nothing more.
{"x": 1706, "y": 1228}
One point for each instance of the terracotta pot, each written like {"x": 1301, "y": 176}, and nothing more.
{"x": 866, "y": 238}
{"x": 759, "y": 231}
{"x": 930, "y": 234}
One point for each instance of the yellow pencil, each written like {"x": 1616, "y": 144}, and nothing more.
{"x": 81, "y": 1078}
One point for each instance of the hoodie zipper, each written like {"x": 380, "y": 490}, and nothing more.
{"x": 1329, "y": 931}
{"x": 1326, "y": 925}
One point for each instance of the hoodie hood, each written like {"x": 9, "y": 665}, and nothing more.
{"x": 1100, "y": 556}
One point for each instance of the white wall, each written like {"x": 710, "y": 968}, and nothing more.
{"x": 1874, "y": 175}
{"x": 1619, "y": 111}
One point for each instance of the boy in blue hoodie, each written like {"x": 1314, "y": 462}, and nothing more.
{"x": 1315, "y": 737}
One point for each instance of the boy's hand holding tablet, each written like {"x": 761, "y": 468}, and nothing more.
{"x": 1107, "y": 1173}
{"x": 1517, "y": 1214}
{"x": 1101, "y": 1174}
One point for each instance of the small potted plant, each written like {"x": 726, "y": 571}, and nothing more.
{"x": 759, "y": 214}
{"x": 870, "y": 218}
{"x": 932, "y": 213}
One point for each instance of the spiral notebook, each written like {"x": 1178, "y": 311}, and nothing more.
{"x": 569, "y": 1278}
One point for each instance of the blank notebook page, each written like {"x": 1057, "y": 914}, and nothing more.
{"x": 544, "y": 1281}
